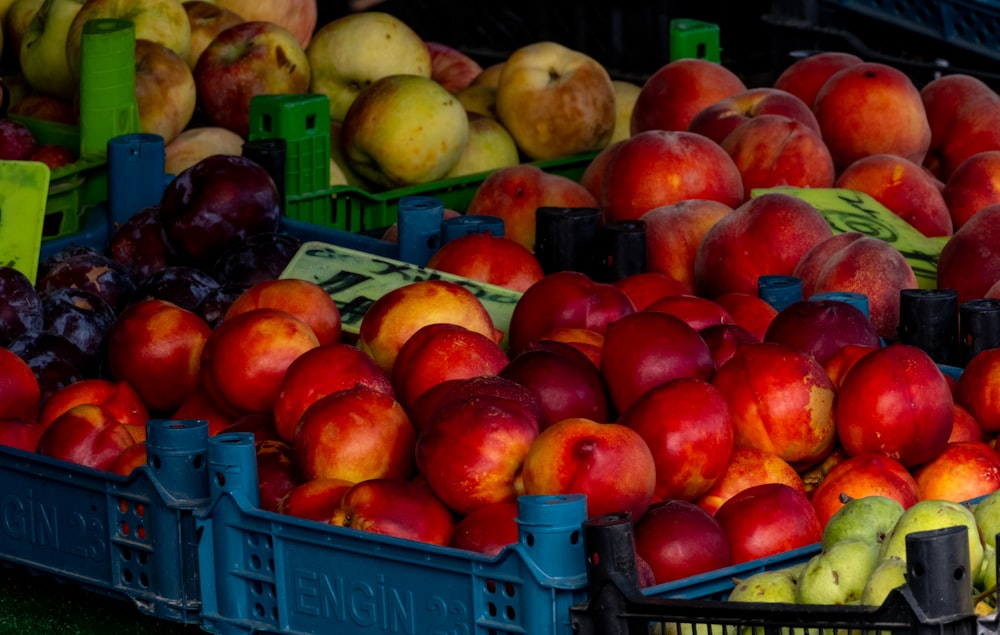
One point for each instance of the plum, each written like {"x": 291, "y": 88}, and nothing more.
{"x": 183, "y": 285}
{"x": 20, "y": 305}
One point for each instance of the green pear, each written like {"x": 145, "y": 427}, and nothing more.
{"x": 986, "y": 578}
{"x": 838, "y": 575}
{"x": 987, "y": 513}
{"x": 776, "y": 585}
{"x": 934, "y": 514}
{"x": 888, "y": 575}
{"x": 867, "y": 517}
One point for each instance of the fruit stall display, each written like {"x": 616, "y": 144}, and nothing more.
{"x": 241, "y": 416}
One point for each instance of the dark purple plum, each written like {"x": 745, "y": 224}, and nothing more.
{"x": 55, "y": 360}
{"x": 213, "y": 308}
{"x": 183, "y": 285}
{"x": 59, "y": 256}
{"x": 141, "y": 244}
{"x": 216, "y": 203}
{"x": 96, "y": 273}
{"x": 80, "y": 316}
{"x": 260, "y": 257}
{"x": 20, "y": 305}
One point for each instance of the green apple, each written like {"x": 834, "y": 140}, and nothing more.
{"x": 889, "y": 574}
{"x": 163, "y": 21}
{"x": 490, "y": 147}
{"x": 868, "y": 517}
{"x": 43, "y": 49}
{"x": 404, "y": 130}
{"x": 837, "y": 575}
{"x": 931, "y": 514}
{"x": 349, "y": 53}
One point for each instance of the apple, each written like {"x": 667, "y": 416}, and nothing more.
{"x": 451, "y": 68}
{"x": 472, "y": 449}
{"x": 165, "y": 90}
{"x": 775, "y": 150}
{"x": 767, "y": 520}
{"x": 963, "y": 113}
{"x": 196, "y": 143}
{"x": 565, "y": 299}
{"x": 970, "y": 186}
{"x": 16, "y": 21}
{"x": 645, "y": 349}
{"x": 87, "y": 435}
{"x": 438, "y": 352}
{"x": 488, "y": 148}
{"x": 746, "y": 467}
{"x": 968, "y": 262}
{"x": 354, "y": 434}
{"x": 674, "y": 232}
{"x": 657, "y": 167}
{"x": 555, "y": 101}
{"x": 490, "y": 76}
{"x": 872, "y": 108}
{"x": 216, "y": 203}
{"x": 481, "y": 100}
{"x": 679, "y": 90}
{"x": 304, "y": 299}
{"x": 297, "y": 16}
{"x": 487, "y": 529}
{"x": 395, "y": 316}
{"x": 678, "y": 539}
{"x": 515, "y": 193}
{"x": 608, "y": 462}
{"x": 351, "y": 52}
{"x": 822, "y": 327}
{"x": 805, "y": 76}
{"x": 687, "y": 425}
{"x": 626, "y": 94}
{"x": 895, "y": 401}
{"x": 163, "y": 21}
{"x": 404, "y": 130}
{"x": 853, "y": 262}
{"x": 768, "y": 234}
{"x": 43, "y": 49}
{"x": 248, "y": 59}
{"x": 207, "y": 19}
{"x": 497, "y": 260}
{"x": 17, "y": 142}
{"x": 717, "y": 120}
{"x": 395, "y": 507}
{"x": 904, "y": 187}
{"x": 963, "y": 471}
{"x": 316, "y": 499}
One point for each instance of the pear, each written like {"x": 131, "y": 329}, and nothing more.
{"x": 987, "y": 513}
{"x": 776, "y": 585}
{"x": 838, "y": 575}
{"x": 986, "y": 579}
{"x": 867, "y": 517}
{"x": 933, "y": 514}
{"x": 888, "y": 575}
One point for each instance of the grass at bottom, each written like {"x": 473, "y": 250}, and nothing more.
{"x": 39, "y": 605}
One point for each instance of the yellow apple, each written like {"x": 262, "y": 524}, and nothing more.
{"x": 404, "y": 130}
{"x": 43, "y": 49}
{"x": 298, "y": 16}
{"x": 194, "y": 144}
{"x": 163, "y": 21}
{"x": 351, "y": 52}
{"x": 480, "y": 99}
{"x": 489, "y": 148}
{"x": 164, "y": 90}
{"x": 16, "y": 20}
{"x": 625, "y": 95}
{"x": 555, "y": 101}
{"x": 207, "y": 20}
{"x": 341, "y": 172}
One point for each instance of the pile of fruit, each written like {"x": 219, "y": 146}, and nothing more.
{"x": 730, "y": 430}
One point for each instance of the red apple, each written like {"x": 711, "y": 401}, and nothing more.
{"x": 821, "y": 328}
{"x": 963, "y": 471}
{"x": 678, "y": 539}
{"x": 804, "y": 77}
{"x": 452, "y": 68}
{"x": 748, "y": 467}
{"x": 717, "y": 120}
{"x": 767, "y": 520}
{"x": 674, "y": 233}
{"x": 395, "y": 507}
{"x": 679, "y": 90}
{"x": 863, "y": 475}
{"x": 895, "y": 401}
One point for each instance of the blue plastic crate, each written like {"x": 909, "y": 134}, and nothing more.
{"x": 132, "y": 538}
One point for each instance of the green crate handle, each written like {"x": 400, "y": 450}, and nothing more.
{"x": 108, "y": 106}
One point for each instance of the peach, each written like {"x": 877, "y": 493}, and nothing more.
{"x": 749, "y": 311}
{"x": 978, "y": 391}
{"x": 747, "y": 467}
{"x": 200, "y": 405}
{"x": 774, "y": 150}
{"x": 646, "y": 286}
{"x": 587, "y": 341}
{"x": 395, "y": 507}
{"x": 355, "y": 435}
{"x": 277, "y": 472}
{"x": 868, "y": 474}
{"x": 964, "y": 116}
{"x": 659, "y": 167}
{"x": 972, "y": 186}
{"x": 593, "y": 175}
{"x": 674, "y": 232}
{"x": 970, "y": 261}
{"x": 698, "y": 312}
{"x": 87, "y": 435}
{"x": 489, "y": 386}
{"x": 117, "y": 397}
{"x": 513, "y": 194}
{"x": 688, "y": 428}
{"x": 965, "y": 427}
{"x": 130, "y": 458}
{"x": 768, "y": 234}
{"x": 156, "y": 346}
{"x": 822, "y": 327}
{"x": 20, "y": 392}
{"x": 400, "y": 313}
{"x": 678, "y": 539}
{"x": 672, "y": 96}
{"x": 805, "y": 76}
{"x": 438, "y": 352}
{"x": 724, "y": 339}
{"x": 906, "y": 188}
{"x": 717, "y": 120}
{"x": 872, "y": 108}
{"x": 964, "y": 470}
{"x": 837, "y": 364}
{"x": 319, "y": 372}
{"x": 315, "y": 499}
{"x": 304, "y": 299}
{"x": 245, "y": 358}
{"x": 895, "y": 401}
{"x": 767, "y": 520}
{"x": 19, "y": 433}
{"x": 487, "y": 529}
{"x": 608, "y": 462}
{"x": 493, "y": 259}
{"x": 781, "y": 401}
